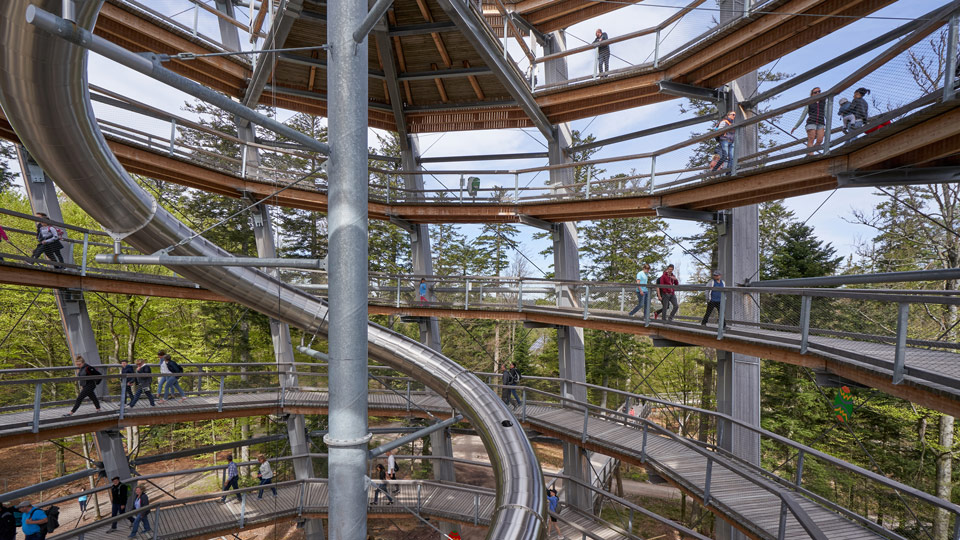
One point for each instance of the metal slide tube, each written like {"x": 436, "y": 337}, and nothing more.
{"x": 347, "y": 226}
{"x": 169, "y": 260}
{"x": 150, "y": 66}
{"x": 57, "y": 125}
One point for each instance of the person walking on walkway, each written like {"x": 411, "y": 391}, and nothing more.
{"x": 8, "y": 523}
{"x": 33, "y": 520}
{"x": 603, "y": 52}
{"x": 508, "y": 380}
{"x": 713, "y": 297}
{"x": 119, "y": 495}
{"x": 48, "y": 241}
{"x": 144, "y": 382}
{"x": 643, "y": 296}
{"x": 164, "y": 372}
{"x": 816, "y": 121}
{"x": 554, "y": 501}
{"x": 265, "y": 475}
{"x": 725, "y": 140}
{"x": 233, "y": 478}
{"x": 130, "y": 372}
{"x": 140, "y": 500}
{"x": 423, "y": 291}
{"x": 667, "y": 296}
{"x": 88, "y": 387}
{"x": 392, "y": 468}
{"x": 382, "y": 485}
{"x": 173, "y": 371}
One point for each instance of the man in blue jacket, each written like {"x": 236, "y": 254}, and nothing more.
{"x": 713, "y": 298}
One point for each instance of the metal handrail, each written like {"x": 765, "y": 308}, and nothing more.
{"x": 800, "y": 448}
{"x": 892, "y": 484}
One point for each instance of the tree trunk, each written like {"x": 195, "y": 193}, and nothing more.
{"x": 61, "y": 464}
{"x": 86, "y": 454}
{"x": 941, "y": 521}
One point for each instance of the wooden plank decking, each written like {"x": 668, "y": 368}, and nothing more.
{"x": 744, "y": 502}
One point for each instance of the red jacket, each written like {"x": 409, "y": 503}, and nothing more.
{"x": 667, "y": 279}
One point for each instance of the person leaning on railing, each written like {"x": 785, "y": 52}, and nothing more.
{"x": 603, "y": 52}
{"x": 816, "y": 120}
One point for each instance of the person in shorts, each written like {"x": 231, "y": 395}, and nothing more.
{"x": 816, "y": 121}
{"x": 554, "y": 503}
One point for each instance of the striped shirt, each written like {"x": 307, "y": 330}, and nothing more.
{"x": 232, "y": 470}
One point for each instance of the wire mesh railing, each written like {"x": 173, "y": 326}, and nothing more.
{"x": 897, "y": 97}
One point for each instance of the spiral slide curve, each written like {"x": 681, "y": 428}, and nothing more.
{"x": 43, "y": 93}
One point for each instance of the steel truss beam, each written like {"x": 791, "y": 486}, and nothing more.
{"x": 691, "y": 91}
{"x": 690, "y": 215}
{"x": 899, "y": 177}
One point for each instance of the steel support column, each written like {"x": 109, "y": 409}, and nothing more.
{"x": 347, "y": 106}
{"x": 738, "y": 375}
{"x": 566, "y": 264}
{"x": 229, "y": 37}
{"x": 441, "y": 443}
{"x": 77, "y": 328}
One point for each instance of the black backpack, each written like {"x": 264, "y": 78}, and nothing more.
{"x": 53, "y": 520}
{"x": 91, "y": 372}
{"x": 8, "y": 522}
{"x": 173, "y": 366}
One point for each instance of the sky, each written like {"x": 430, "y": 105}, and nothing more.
{"x": 831, "y": 214}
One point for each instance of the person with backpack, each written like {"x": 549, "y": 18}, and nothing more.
{"x": 713, "y": 297}
{"x": 816, "y": 121}
{"x": 143, "y": 383}
{"x": 8, "y": 522}
{"x": 507, "y": 381}
{"x": 119, "y": 496}
{"x": 140, "y": 500}
{"x": 553, "y": 502}
{"x": 725, "y": 140}
{"x": 88, "y": 387}
{"x": 34, "y": 521}
{"x": 48, "y": 241}
{"x": 171, "y": 381}
{"x": 392, "y": 469}
{"x": 667, "y": 296}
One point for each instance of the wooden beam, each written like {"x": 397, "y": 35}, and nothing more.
{"x": 36, "y": 277}
{"x": 440, "y": 88}
{"x": 257, "y": 24}
{"x": 437, "y": 40}
{"x": 474, "y": 83}
{"x": 313, "y": 71}
{"x": 401, "y": 62}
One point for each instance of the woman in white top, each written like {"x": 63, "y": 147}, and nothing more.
{"x": 265, "y": 475}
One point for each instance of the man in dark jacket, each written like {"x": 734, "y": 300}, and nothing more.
{"x": 506, "y": 380}
{"x": 129, "y": 371}
{"x": 119, "y": 495}
{"x": 8, "y": 523}
{"x": 667, "y": 296}
{"x": 603, "y": 52}
{"x": 88, "y": 387}
{"x": 713, "y": 297}
{"x": 144, "y": 381}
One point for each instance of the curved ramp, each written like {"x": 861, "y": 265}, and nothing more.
{"x": 43, "y": 92}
